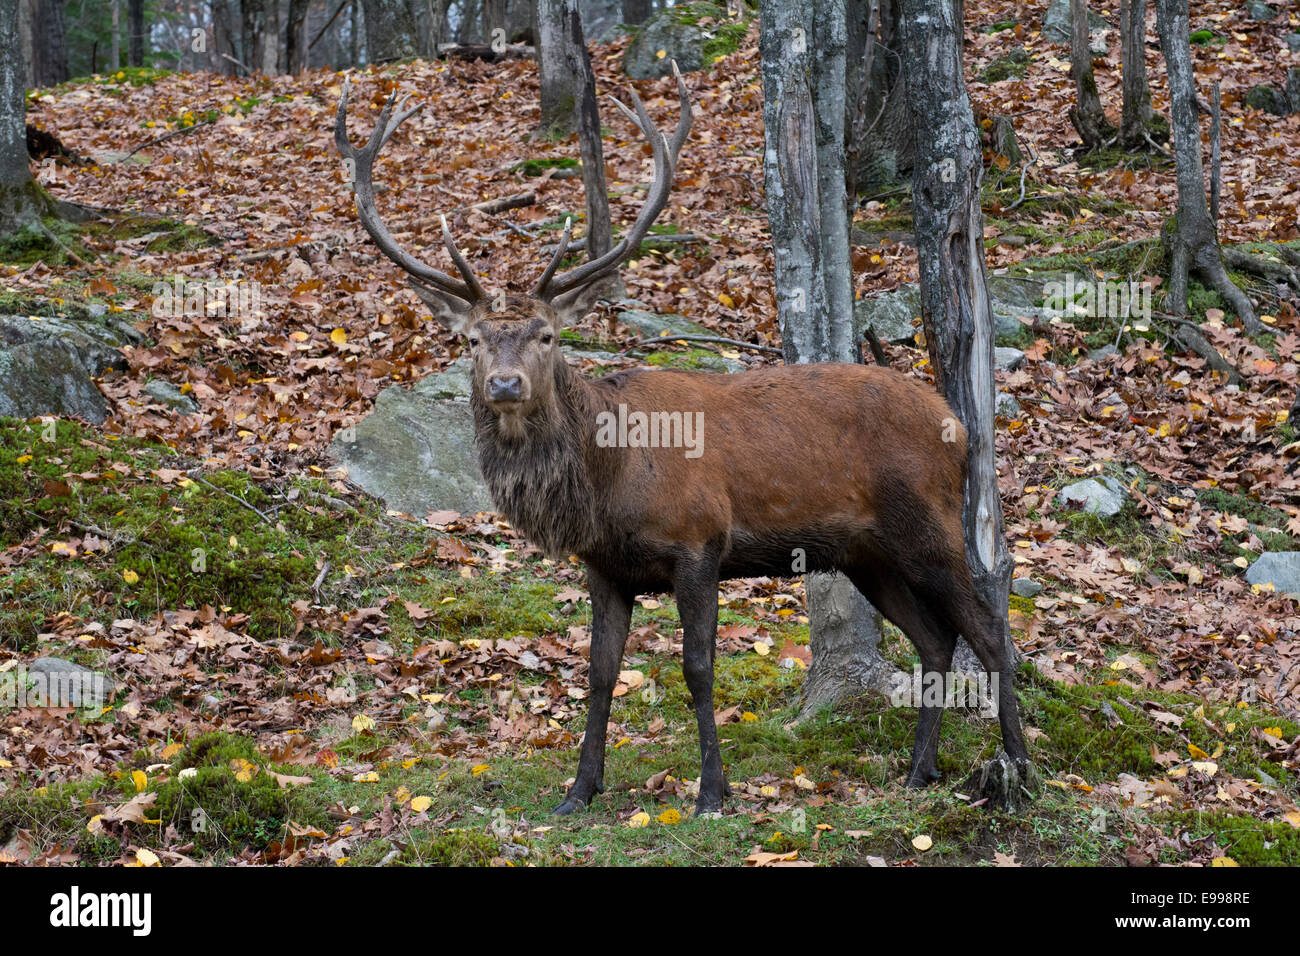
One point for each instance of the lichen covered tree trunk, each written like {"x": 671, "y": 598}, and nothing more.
{"x": 22, "y": 199}
{"x": 1193, "y": 240}
{"x": 803, "y": 60}
{"x": 955, "y": 310}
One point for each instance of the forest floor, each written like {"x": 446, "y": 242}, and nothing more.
{"x": 331, "y": 683}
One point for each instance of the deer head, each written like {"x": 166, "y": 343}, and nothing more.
{"x": 512, "y": 338}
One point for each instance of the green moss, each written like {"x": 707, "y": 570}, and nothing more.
{"x": 1207, "y": 38}
{"x": 456, "y": 847}
{"x": 536, "y": 167}
{"x": 1248, "y": 841}
{"x": 1014, "y": 64}
{"x": 231, "y": 801}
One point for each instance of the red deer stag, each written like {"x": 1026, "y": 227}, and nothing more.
{"x": 858, "y": 467}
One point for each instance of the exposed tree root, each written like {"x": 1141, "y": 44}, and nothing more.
{"x": 1003, "y": 783}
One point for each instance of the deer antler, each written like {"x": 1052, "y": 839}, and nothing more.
{"x": 665, "y": 163}
{"x": 362, "y": 171}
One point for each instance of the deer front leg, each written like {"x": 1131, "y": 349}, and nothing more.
{"x": 696, "y": 587}
{"x": 611, "y": 616}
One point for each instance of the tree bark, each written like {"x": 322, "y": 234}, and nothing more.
{"x": 22, "y": 200}
{"x": 295, "y": 44}
{"x": 955, "y": 309}
{"x": 803, "y": 48}
{"x": 135, "y": 32}
{"x": 116, "y": 46}
{"x": 1087, "y": 114}
{"x": 1137, "y": 113}
{"x": 561, "y": 87}
{"x": 49, "y": 43}
{"x": 1193, "y": 241}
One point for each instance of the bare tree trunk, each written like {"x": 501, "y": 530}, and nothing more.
{"x": 116, "y": 48}
{"x": 135, "y": 32}
{"x": 561, "y": 87}
{"x": 599, "y": 232}
{"x": 1137, "y": 112}
{"x": 295, "y": 44}
{"x": 49, "y": 43}
{"x": 636, "y": 11}
{"x": 955, "y": 309}
{"x": 1193, "y": 240}
{"x": 803, "y": 48}
{"x": 1087, "y": 115}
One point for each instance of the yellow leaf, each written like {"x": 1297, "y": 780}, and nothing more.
{"x": 1224, "y": 861}
{"x": 639, "y": 820}
{"x": 139, "y": 779}
{"x": 1273, "y": 732}
{"x": 479, "y": 769}
{"x": 171, "y": 750}
{"x": 1197, "y": 752}
{"x": 130, "y": 577}
{"x": 23, "y": 459}
{"x": 761, "y": 648}
{"x": 368, "y": 777}
{"x": 338, "y": 337}
{"x": 363, "y": 722}
{"x": 749, "y": 717}
{"x": 922, "y": 842}
{"x": 147, "y": 857}
{"x": 726, "y": 300}
{"x": 244, "y": 769}
{"x": 420, "y": 804}
{"x": 669, "y": 818}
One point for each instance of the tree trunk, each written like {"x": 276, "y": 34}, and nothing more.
{"x": 1193, "y": 240}
{"x": 955, "y": 308}
{"x": 1137, "y": 112}
{"x": 295, "y": 45}
{"x": 881, "y": 144}
{"x": 135, "y": 32}
{"x": 599, "y": 232}
{"x": 636, "y": 11}
{"x": 22, "y": 200}
{"x": 804, "y": 115}
{"x": 561, "y": 87}
{"x": 49, "y": 43}
{"x": 116, "y": 46}
{"x": 1087, "y": 115}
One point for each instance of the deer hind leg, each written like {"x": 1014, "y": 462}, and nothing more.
{"x": 695, "y": 584}
{"x": 934, "y": 642}
{"x": 611, "y": 608}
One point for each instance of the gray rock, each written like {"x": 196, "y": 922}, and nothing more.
{"x": 1260, "y": 12}
{"x": 1008, "y": 358}
{"x": 1056, "y": 22}
{"x": 1293, "y": 88}
{"x": 1103, "y": 496}
{"x": 1293, "y": 42}
{"x": 1103, "y": 353}
{"x": 38, "y": 380}
{"x": 1269, "y": 99}
{"x": 680, "y": 41}
{"x": 1007, "y": 406}
{"x": 165, "y": 393}
{"x": 58, "y": 683}
{"x": 889, "y": 314}
{"x": 1025, "y": 587}
{"x": 47, "y": 363}
{"x": 1280, "y": 568}
{"x": 415, "y": 451}
{"x": 651, "y": 325}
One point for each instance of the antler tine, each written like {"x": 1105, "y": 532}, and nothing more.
{"x": 363, "y": 188}
{"x": 471, "y": 280}
{"x": 539, "y": 290}
{"x": 665, "y": 164}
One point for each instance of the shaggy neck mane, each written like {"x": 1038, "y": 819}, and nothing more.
{"x": 541, "y": 479}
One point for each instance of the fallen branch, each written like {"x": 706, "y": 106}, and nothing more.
{"x": 1188, "y": 334}
{"x": 203, "y": 481}
{"x": 182, "y": 131}
{"x": 705, "y": 338}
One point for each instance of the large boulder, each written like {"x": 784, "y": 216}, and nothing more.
{"x": 1056, "y": 22}
{"x": 1103, "y": 496}
{"x": 1278, "y": 568}
{"x": 415, "y": 451}
{"x": 692, "y": 34}
{"x": 890, "y": 313}
{"x": 48, "y": 363}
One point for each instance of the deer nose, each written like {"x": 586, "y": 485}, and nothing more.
{"x": 505, "y": 388}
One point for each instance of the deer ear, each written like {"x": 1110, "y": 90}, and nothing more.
{"x": 446, "y": 309}
{"x": 572, "y": 306}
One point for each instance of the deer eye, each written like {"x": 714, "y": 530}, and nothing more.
{"x": 473, "y": 341}
{"x": 547, "y": 338}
